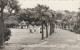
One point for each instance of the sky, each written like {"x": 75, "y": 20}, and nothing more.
{"x": 71, "y": 5}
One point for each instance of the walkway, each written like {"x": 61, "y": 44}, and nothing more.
{"x": 61, "y": 40}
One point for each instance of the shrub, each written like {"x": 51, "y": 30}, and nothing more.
{"x": 7, "y": 34}
{"x": 7, "y": 25}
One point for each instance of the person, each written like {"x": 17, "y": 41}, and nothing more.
{"x": 34, "y": 28}
{"x": 30, "y": 27}
{"x": 40, "y": 29}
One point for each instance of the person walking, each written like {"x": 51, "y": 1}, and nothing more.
{"x": 30, "y": 27}
{"x": 34, "y": 28}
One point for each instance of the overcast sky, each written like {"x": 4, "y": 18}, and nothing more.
{"x": 53, "y": 4}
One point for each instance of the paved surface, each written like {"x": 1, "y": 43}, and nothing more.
{"x": 61, "y": 40}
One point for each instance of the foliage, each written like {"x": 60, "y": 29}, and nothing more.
{"x": 10, "y": 5}
{"x": 78, "y": 13}
{"x": 7, "y": 34}
{"x": 35, "y": 14}
{"x": 59, "y": 15}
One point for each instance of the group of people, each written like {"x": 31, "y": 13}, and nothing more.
{"x": 32, "y": 28}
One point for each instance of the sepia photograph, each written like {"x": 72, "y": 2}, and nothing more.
{"x": 39, "y": 24}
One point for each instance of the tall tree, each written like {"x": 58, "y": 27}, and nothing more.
{"x": 10, "y": 5}
{"x": 1, "y": 23}
{"x": 41, "y": 9}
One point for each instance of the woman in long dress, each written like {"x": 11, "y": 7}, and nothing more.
{"x": 30, "y": 27}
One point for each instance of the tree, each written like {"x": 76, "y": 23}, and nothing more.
{"x": 27, "y": 15}
{"x": 1, "y": 23}
{"x": 22, "y": 15}
{"x": 77, "y": 25}
{"x": 59, "y": 15}
{"x": 41, "y": 9}
{"x": 46, "y": 17}
{"x": 59, "y": 18}
{"x": 78, "y": 13}
{"x": 40, "y": 15}
{"x": 10, "y": 5}
{"x": 67, "y": 11}
{"x": 51, "y": 20}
